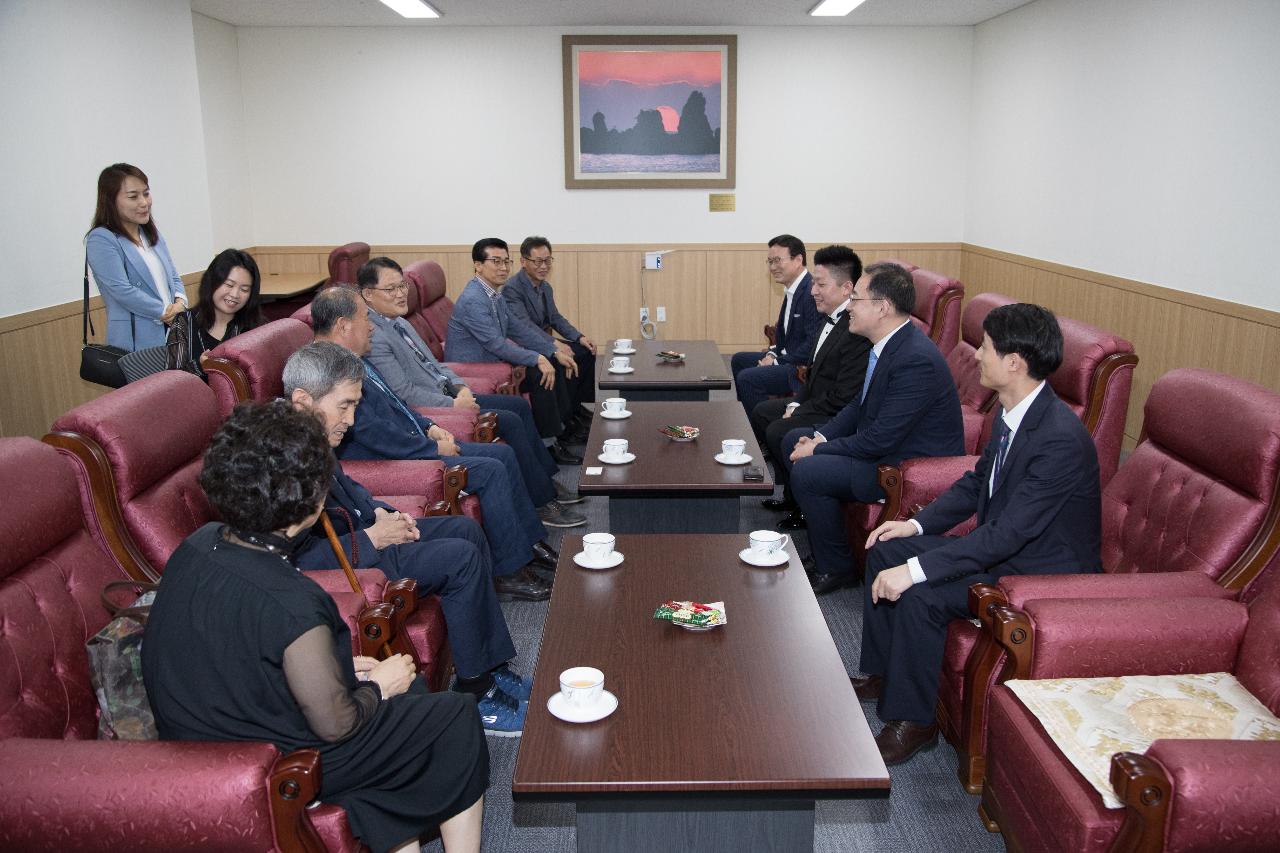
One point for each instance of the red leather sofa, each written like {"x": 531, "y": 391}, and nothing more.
{"x": 345, "y": 262}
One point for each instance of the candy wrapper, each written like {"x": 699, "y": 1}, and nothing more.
{"x": 680, "y": 433}
{"x": 671, "y": 355}
{"x": 692, "y": 614}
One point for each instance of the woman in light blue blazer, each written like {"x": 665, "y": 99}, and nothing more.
{"x": 130, "y": 262}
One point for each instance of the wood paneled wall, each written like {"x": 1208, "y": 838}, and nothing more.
{"x": 721, "y": 292}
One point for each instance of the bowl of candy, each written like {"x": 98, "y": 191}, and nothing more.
{"x": 680, "y": 433}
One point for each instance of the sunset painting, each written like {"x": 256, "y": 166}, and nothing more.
{"x": 644, "y": 111}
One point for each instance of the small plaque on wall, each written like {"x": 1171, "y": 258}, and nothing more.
{"x": 723, "y": 202}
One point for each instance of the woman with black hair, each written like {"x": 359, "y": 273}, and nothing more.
{"x": 240, "y": 646}
{"x": 229, "y": 302}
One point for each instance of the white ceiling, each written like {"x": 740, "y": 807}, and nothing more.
{"x": 581, "y": 13}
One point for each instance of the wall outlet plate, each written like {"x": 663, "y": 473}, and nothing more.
{"x": 662, "y": 313}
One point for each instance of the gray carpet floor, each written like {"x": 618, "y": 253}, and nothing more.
{"x": 927, "y": 809}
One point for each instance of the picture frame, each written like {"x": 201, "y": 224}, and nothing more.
{"x": 650, "y": 111}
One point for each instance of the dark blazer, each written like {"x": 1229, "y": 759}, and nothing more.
{"x": 536, "y": 305}
{"x": 836, "y": 373}
{"x": 806, "y": 322}
{"x": 383, "y": 430}
{"x": 911, "y": 409}
{"x": 1046, "y": 513}
{"x": 346, "y": 493}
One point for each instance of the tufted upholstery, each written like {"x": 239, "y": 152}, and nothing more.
{"x": 345, "y": 262}
{"x": 61, "y": 789}
{"x": 937, "y": 311}
{"x": 1192, "y": 500}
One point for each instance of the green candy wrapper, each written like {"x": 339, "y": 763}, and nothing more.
{"x": 692, "y": 613}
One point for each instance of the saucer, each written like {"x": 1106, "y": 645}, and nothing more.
{"x": 614, "y": 559}
{"x": 621, "y": 460}
{"x": 562, "y": 710}
{"x": 630, "y": 351}
{"x": 779, "y": 557}
{"x": 733, "y": 460}
{"x": 616, "y": 416}
{"x": 623, "y": 370}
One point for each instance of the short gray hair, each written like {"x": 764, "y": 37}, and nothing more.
{"x": 320, "y": 367}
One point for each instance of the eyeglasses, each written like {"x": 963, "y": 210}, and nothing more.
{"x": 866, "y": 299}
{"x": 498, "y": 262}
{"x": 540, "y": 262}
{"x": 402, "y": 287}
{"x": 775, "y": 262}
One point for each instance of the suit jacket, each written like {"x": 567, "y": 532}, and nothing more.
{"x": 346, "y": 493}
{"x": 806, "y": 322}
{"x": 128, "y": 291}
{"x": 836, "y": 373}
{"x": 1046, "y": 513}
{"x": 386, "y": 428}
{"x": 911, "y": 408}
{"x": 482, "y": 330}
{"x": 536, "y": 305}
{"x": 416, "y": 377}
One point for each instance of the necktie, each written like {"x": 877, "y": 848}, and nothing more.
{"x": 871, "y": 369}
{"x": 429, "y": 365}
{"x": 395, "y": 399}
{"x": 1002, "y": 449}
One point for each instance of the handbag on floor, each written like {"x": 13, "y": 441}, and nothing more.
{"x": 115, "y": 667}
{"x": 99, "y": 363}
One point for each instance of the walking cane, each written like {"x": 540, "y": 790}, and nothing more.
{"x": 332, "y": 536}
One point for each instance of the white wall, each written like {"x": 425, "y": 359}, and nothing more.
{"x": 1137, "y": 138}
{"x": 222, "y": 111}
{"x": 87, "y": 85}
{"x": 417, "y": 135}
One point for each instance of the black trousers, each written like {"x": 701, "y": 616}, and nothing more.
{"x": 771, "y": 427}
{"x": 551, "y": 408}
{"x": 583, "y": 386}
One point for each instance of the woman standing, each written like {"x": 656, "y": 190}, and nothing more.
{"x": 130, "y": 262}
{"x": 240, "y": 646}
{"x": 228, "y": 303}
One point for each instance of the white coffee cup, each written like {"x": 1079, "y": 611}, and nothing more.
{"x": 582, "y": 686}
{"x": 619, "y": 362}
{"x": 732, "y": 448}
{"x": 622, "y": 343}
{"x": 614, "y": 405}
{"x": 766, "y": 542}
{"x": 615, "y": 448}
{"x": 598, "y": 546}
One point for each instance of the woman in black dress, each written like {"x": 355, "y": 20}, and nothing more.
{"x": 228, "y": 303}
{"x": 240, "y": 646}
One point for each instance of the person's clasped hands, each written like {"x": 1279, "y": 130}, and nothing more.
{"x": 391, "y": 528}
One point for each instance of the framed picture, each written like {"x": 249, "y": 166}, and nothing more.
{"x": 649, "y": 111}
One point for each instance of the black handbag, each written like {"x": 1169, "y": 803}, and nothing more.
{"x": 99, "y": 363}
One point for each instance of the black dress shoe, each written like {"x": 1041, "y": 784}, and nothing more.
{"x": 779, "y": 504}
{"x": 794, "y": 521}
{"x": 562, "y": 456}
{"x": 523, "y": 585}
{"x": 867, "y": 687}
{"x": 545, "y": 553}
{"x": 902, "y": 739}
{"x": 823, "y": 584}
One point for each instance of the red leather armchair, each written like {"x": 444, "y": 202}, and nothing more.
{"x": 138, "y": 476}
{"x": 1182, "y": 795}
{"x": 1195, "y": 503}
{"x": 937, "y": 311}
{"x": 62, "y": 789}
{"x": 345, "y": 262}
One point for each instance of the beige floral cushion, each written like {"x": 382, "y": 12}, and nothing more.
{"x": 1091, "y": 719}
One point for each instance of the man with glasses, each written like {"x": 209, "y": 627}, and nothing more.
{"x": 760, "y": 375}
{"x": 530, "y": 298}
{"x": 907, "y": 407}
{"x": 482, "y": 329}
{"x": 405, "y": 361}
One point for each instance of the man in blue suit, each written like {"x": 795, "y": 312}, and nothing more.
{"x": 387, "y": 428}
{"x": 760, "y": 375}
{"x": 907, "y": 407}
{"x": 482, "y": 329}
{"x": 1037, "y": 499}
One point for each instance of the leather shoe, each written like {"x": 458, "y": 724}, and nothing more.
{"x": 561, "y": 455}
{"x": 823, "y": 584}
{"x": 902, "y": 739}
{"x": 794, "y": 521}
{"x": 778, "y": 504}
{"x": 867, "y": 687}
{"x": 566, "y": 495}
{"x": 523, "y": 585}
{"x": 545, "y": 553}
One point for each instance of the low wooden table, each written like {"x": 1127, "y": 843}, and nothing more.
{"x": 673, "y": 487}
{"x": 722, "y": 740}
{"x": 702, "y": 371}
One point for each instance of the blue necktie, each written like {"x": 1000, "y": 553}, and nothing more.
{"x": 871, "y": 369}
{"x": 395, "y": 399}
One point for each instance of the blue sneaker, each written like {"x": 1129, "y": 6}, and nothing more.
{"x": 500, "y": 714}
{"x": 512, "y": 684}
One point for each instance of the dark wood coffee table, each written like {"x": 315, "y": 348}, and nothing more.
{"x": 722, "y": 740}
{"x": 702, "y": 371}
{"x": 673, "y": 487}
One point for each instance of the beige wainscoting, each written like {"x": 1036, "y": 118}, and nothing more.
{"x": 717, "y": 291}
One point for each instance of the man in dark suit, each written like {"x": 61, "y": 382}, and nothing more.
{"x": 1036, "y": 495}
{"x": 839, "y": 363}
{"x": 907, "y": 407}
{"x": 758, "y": 375}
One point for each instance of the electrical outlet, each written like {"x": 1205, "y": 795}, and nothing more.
{"x": 662, "y": 313}
{"x": 644, "y": 315}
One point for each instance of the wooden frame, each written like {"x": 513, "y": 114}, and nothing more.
{"x": 619, "y": 157}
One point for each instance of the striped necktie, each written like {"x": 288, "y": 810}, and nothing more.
{"x": 1002, "y": 450}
